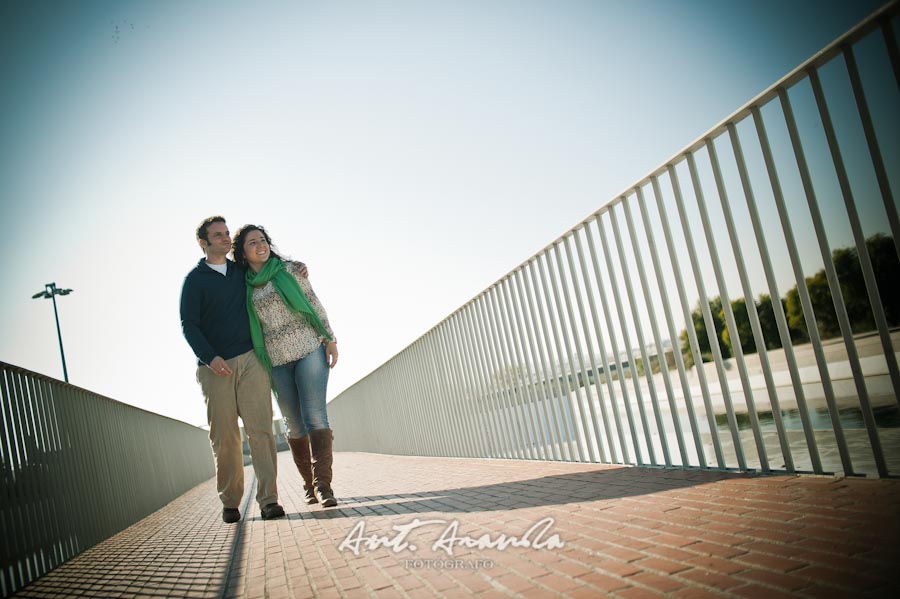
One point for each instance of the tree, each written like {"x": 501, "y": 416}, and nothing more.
{"x": 886, "y": 265}
{"x": 745, "y": 331}
{"x": 766, "y": 312}
{"x": 793, "y": 311}
{"x": 715, "y": 309}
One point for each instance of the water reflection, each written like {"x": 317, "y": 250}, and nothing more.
{"x": 820, "y": 418}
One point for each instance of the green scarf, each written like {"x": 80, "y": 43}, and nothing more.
{"x": 291, "y": 294}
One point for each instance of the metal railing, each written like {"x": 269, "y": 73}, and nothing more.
{"x": 78, "y": 467}
{"x": 734, "y": 309}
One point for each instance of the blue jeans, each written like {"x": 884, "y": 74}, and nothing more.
{"x": 300, "y": 387}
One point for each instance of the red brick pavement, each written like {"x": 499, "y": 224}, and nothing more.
{"x": 625, "y": 532}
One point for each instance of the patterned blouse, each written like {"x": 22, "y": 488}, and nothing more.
{"x": 288, "y": 338}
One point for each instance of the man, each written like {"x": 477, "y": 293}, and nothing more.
{"x": 234, "y": 383}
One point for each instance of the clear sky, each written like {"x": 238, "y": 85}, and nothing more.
{"x": 410, "y": 152}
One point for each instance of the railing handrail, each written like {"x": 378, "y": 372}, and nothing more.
{"x": 50, "y": 379}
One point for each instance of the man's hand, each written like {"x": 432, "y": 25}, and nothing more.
{"x": 220, "y": 367}
{"x": 304, "y": 272}
{"x": 331, "y": 353}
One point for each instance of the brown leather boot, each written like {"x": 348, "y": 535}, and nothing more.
{"x": 300, "y": 451}
{"x": 322, "y": 457}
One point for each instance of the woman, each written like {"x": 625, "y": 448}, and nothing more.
{"x": 293, "y": 339}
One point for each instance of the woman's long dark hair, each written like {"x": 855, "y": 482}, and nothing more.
{"x": 237, "y": 243}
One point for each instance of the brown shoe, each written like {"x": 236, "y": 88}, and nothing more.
{"x": 302, "y": 459}
{"x": 230, "y": 515}
{"x": 271, "y": 511}
{"x": 322, "y": 458}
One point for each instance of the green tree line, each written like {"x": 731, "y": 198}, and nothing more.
{"x": 885, "y": 265}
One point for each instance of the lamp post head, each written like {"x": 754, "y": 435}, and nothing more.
{"x": 50, "y": 289}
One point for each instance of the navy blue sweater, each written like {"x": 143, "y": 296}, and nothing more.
{"x": 214, "y": 312}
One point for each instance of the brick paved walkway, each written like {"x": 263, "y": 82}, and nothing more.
{"x": 627, "y": 533}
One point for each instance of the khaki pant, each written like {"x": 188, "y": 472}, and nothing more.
{"x": 245, "y": 393}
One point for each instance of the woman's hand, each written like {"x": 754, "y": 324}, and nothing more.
{"x": 331, "y": 353}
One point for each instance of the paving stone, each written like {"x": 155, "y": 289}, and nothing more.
{"x": 411, "y": 527}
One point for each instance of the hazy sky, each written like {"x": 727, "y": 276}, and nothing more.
{"x": 410, "y": 152}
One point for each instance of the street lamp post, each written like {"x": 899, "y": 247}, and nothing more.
{"x": 51, "y": 291}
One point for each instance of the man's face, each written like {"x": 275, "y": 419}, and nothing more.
{"x": 219, "y": 239}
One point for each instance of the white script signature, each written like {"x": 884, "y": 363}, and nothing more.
{"x": 533, "y": 538}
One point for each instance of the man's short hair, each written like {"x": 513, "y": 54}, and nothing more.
{"x": 203, "y": 229}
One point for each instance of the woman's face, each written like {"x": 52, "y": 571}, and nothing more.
{"x": 256, "y": 249}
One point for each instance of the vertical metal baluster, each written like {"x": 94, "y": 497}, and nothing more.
{"x": 752, "y": 314}
{"x": 489, "y": 368}
{"x": 400, "y": 387}
{"x": 378, "y": 404}
{"x": 444, "y": 429}
{"x": 642, "y": 347}
{"x": 37, "y": 474}
{"x": 555, "y": 382}
{"x": 429, "y": 409}
{"x": 865, "y": 263}
{"x": 598, "y": 437}
{"x": 9, "y": 500}
{"x": 568, "y": 343}
{"x": 780, "y": 320}
{"x": 442, "y": 359}
{"x": 7, "y": 550}
{"x": 881, "y": 176}
{"x": 22, "y": 489}
{"x": 451, "y": 427}
{"x": 729, "y": 319}
{"x": 54, "y": 493}
{"x": 395, "y": 384}
{"x": 541, "y": 366}
{"x": 711, "y": 332}
{"x": 456, "y": 388}
{"x": 388, "y": 396}
{"x": 474, "y": 399}
{"x": 504, "y": 363}
{"x": 794, "y": 254}
{"x": 890, "y": 42}
{"x": 565, "y": 373}
{"x": 626, "y": 339}
{"x": 87, "y": 460}
{"x": 654, "y": 329}
{"x": 523, "y": 448}
{"x": 487, "y": 391}
{"x": 517, "y": 317}
{"x": 672, "y": 330}
{"x": 407, "y": 396}
{"x": 75, "y": 487}
{"x": 526, "y": 403}
{"x": 890, "y": 208}
{"x": 607, "y": 315}
{"x": 689, "y": 323}
{"x": 603, "y": 360}
{"x": 409, "y": 386}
